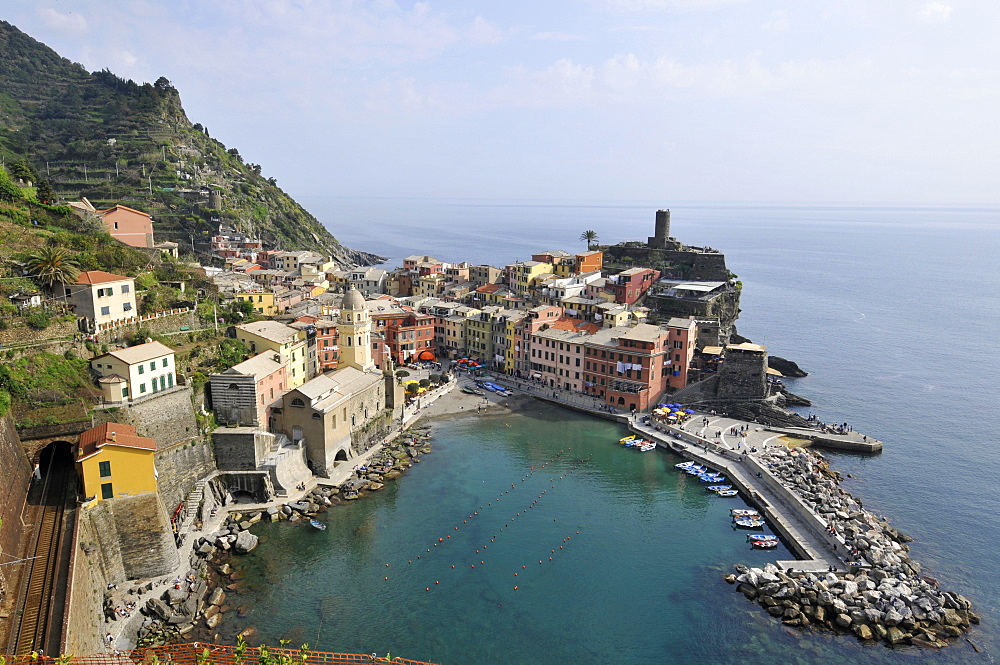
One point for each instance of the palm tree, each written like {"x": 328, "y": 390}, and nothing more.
{"x": 52, "y": 264}
{"x": 589, "y": 237}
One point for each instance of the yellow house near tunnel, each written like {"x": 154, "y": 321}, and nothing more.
{"x": 113, "y": 461}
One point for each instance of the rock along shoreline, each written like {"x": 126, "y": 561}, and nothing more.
{"x": 195, "y": 605}
{"x": 883, "y": 596}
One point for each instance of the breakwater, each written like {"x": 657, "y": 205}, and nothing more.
{"x": 855, "y": 574}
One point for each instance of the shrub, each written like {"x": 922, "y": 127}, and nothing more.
{"x": 424, "y": 383}
{"x": 37, "y": 320}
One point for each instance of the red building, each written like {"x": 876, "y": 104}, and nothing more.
{"x": 327, "y": 349}
{"x": 629, "y": 285}
{"x": 408, "y": 335}
{"x": 625, "y": 367}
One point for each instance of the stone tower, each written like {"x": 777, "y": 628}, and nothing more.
{"x": 661, "y": 239}
{"x": 355, "y": 331}
{"x": 743, "y": 374}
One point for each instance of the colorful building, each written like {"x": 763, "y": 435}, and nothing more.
{"x": 113, "y": 461}
{"x": 626, "y": 367}
{"x": 132, "y": 227}
{"x": 100, "y": 299}
{"x": 134, "y": 372}
{"x": 245, "y": 394}
{"x": 630, "y": 285}
{"x": 290, "y": 343}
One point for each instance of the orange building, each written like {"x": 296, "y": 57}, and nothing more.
{"x": 129, "y": 226}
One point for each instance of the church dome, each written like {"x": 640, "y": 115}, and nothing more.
{"x": 353, "y": 300}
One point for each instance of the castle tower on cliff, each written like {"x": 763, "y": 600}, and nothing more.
{"x": 661, "y": 239}
{"x": 355, "y": 330}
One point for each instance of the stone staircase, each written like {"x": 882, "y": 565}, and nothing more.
{"x": 193, "y": 500}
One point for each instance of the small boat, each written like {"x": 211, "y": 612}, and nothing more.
{"x": 684, "y": 465}
{"x": 626, "y": 439}
{"x": 317, "y": 524}
{"x": 712, "y": 479}
{"x": 764, "y": 544}
{"x": 695, "y": 470}
{"x": 747, "y": 523}
{"x": 473, "y": 391}
{"x": 728, "y": 493}
{"x": 760, "y": 536}
{"x": 744, "y": 512}
{"x": 719, "y": 488}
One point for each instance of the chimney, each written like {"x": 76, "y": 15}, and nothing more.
{"x": 114, "y": 436}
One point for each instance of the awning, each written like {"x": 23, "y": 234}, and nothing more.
{"x": 774, "y": 372}
{"x": 712, "y": 350}
{"x": 426, "y": 354}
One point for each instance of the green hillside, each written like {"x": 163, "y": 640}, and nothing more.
{"x": 79, "y": 134}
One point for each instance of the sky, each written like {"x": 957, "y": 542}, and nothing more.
{"x": 867, "y": 101}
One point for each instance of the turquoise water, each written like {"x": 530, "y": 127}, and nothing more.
{"x": 891, "y": 309}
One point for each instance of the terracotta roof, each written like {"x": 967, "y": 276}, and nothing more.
{"x": 121, "y": 207}
{"x": 575, "y": 325}
{"x": 111, "y": 434}
{"x": 99, "y": 277}
{"x": 489, "y": 288}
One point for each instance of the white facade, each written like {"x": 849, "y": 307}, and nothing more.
{"x": 141, "y": 371}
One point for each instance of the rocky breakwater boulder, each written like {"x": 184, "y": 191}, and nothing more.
{"x": 882, "y": 597}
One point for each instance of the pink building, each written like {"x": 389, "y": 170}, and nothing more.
{"x": 245, "y": 394}
{"x": 129, "y": 226}
{"x": 681, "y": 342}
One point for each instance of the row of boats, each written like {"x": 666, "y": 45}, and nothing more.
{"x": 743, "y": 518}
{"x": 748, "y": 518}
{"x": 632, "y": 441}
{"x": 706, "y": 475}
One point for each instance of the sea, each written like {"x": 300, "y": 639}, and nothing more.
{"x": 534, "y": 538}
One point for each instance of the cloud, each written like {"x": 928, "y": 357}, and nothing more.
{"x": 778, "y": 22}
{"x": 935, "y": 12}
{"x": 555, "y": 37}
{"x": 68, "y": 22}
{"x": 665, "y": 5}
{"x": 483, "y": 32}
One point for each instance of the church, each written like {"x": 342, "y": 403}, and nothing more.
{"x": 339, "y": 415}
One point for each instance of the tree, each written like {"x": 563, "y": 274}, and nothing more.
{"x": 44, "y": 193}
{"x": 22, "y": 169}
{"x": 589, "y": 237}
{"x": 8, "y": 190}
{"x": 52, "y": 264}
{"x": 232, "y": 352}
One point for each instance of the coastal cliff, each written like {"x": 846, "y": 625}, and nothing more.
{"x": 74, "y": 134}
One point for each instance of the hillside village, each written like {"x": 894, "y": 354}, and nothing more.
{"x": 271, "y": 369}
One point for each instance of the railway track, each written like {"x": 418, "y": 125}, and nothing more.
{"x": 33, "y": 629}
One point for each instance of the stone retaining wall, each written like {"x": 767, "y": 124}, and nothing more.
{"x": 167, "y": 323}
{"x": 15, "y": 470}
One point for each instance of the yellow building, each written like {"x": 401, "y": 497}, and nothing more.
{"x": 522, "y": 275}
{"x": 288, "y": 342}
{"x": 113, "y": 461}
{"x": 262, "y": 301}
{"x": 507, "y": 341}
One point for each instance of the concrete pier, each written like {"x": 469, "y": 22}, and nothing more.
{"x": 803, "y": 530}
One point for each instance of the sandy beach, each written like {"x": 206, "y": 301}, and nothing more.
{"x": 458, "y": 404}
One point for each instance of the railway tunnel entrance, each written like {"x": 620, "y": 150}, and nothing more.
{"x": 37, "y": 624}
